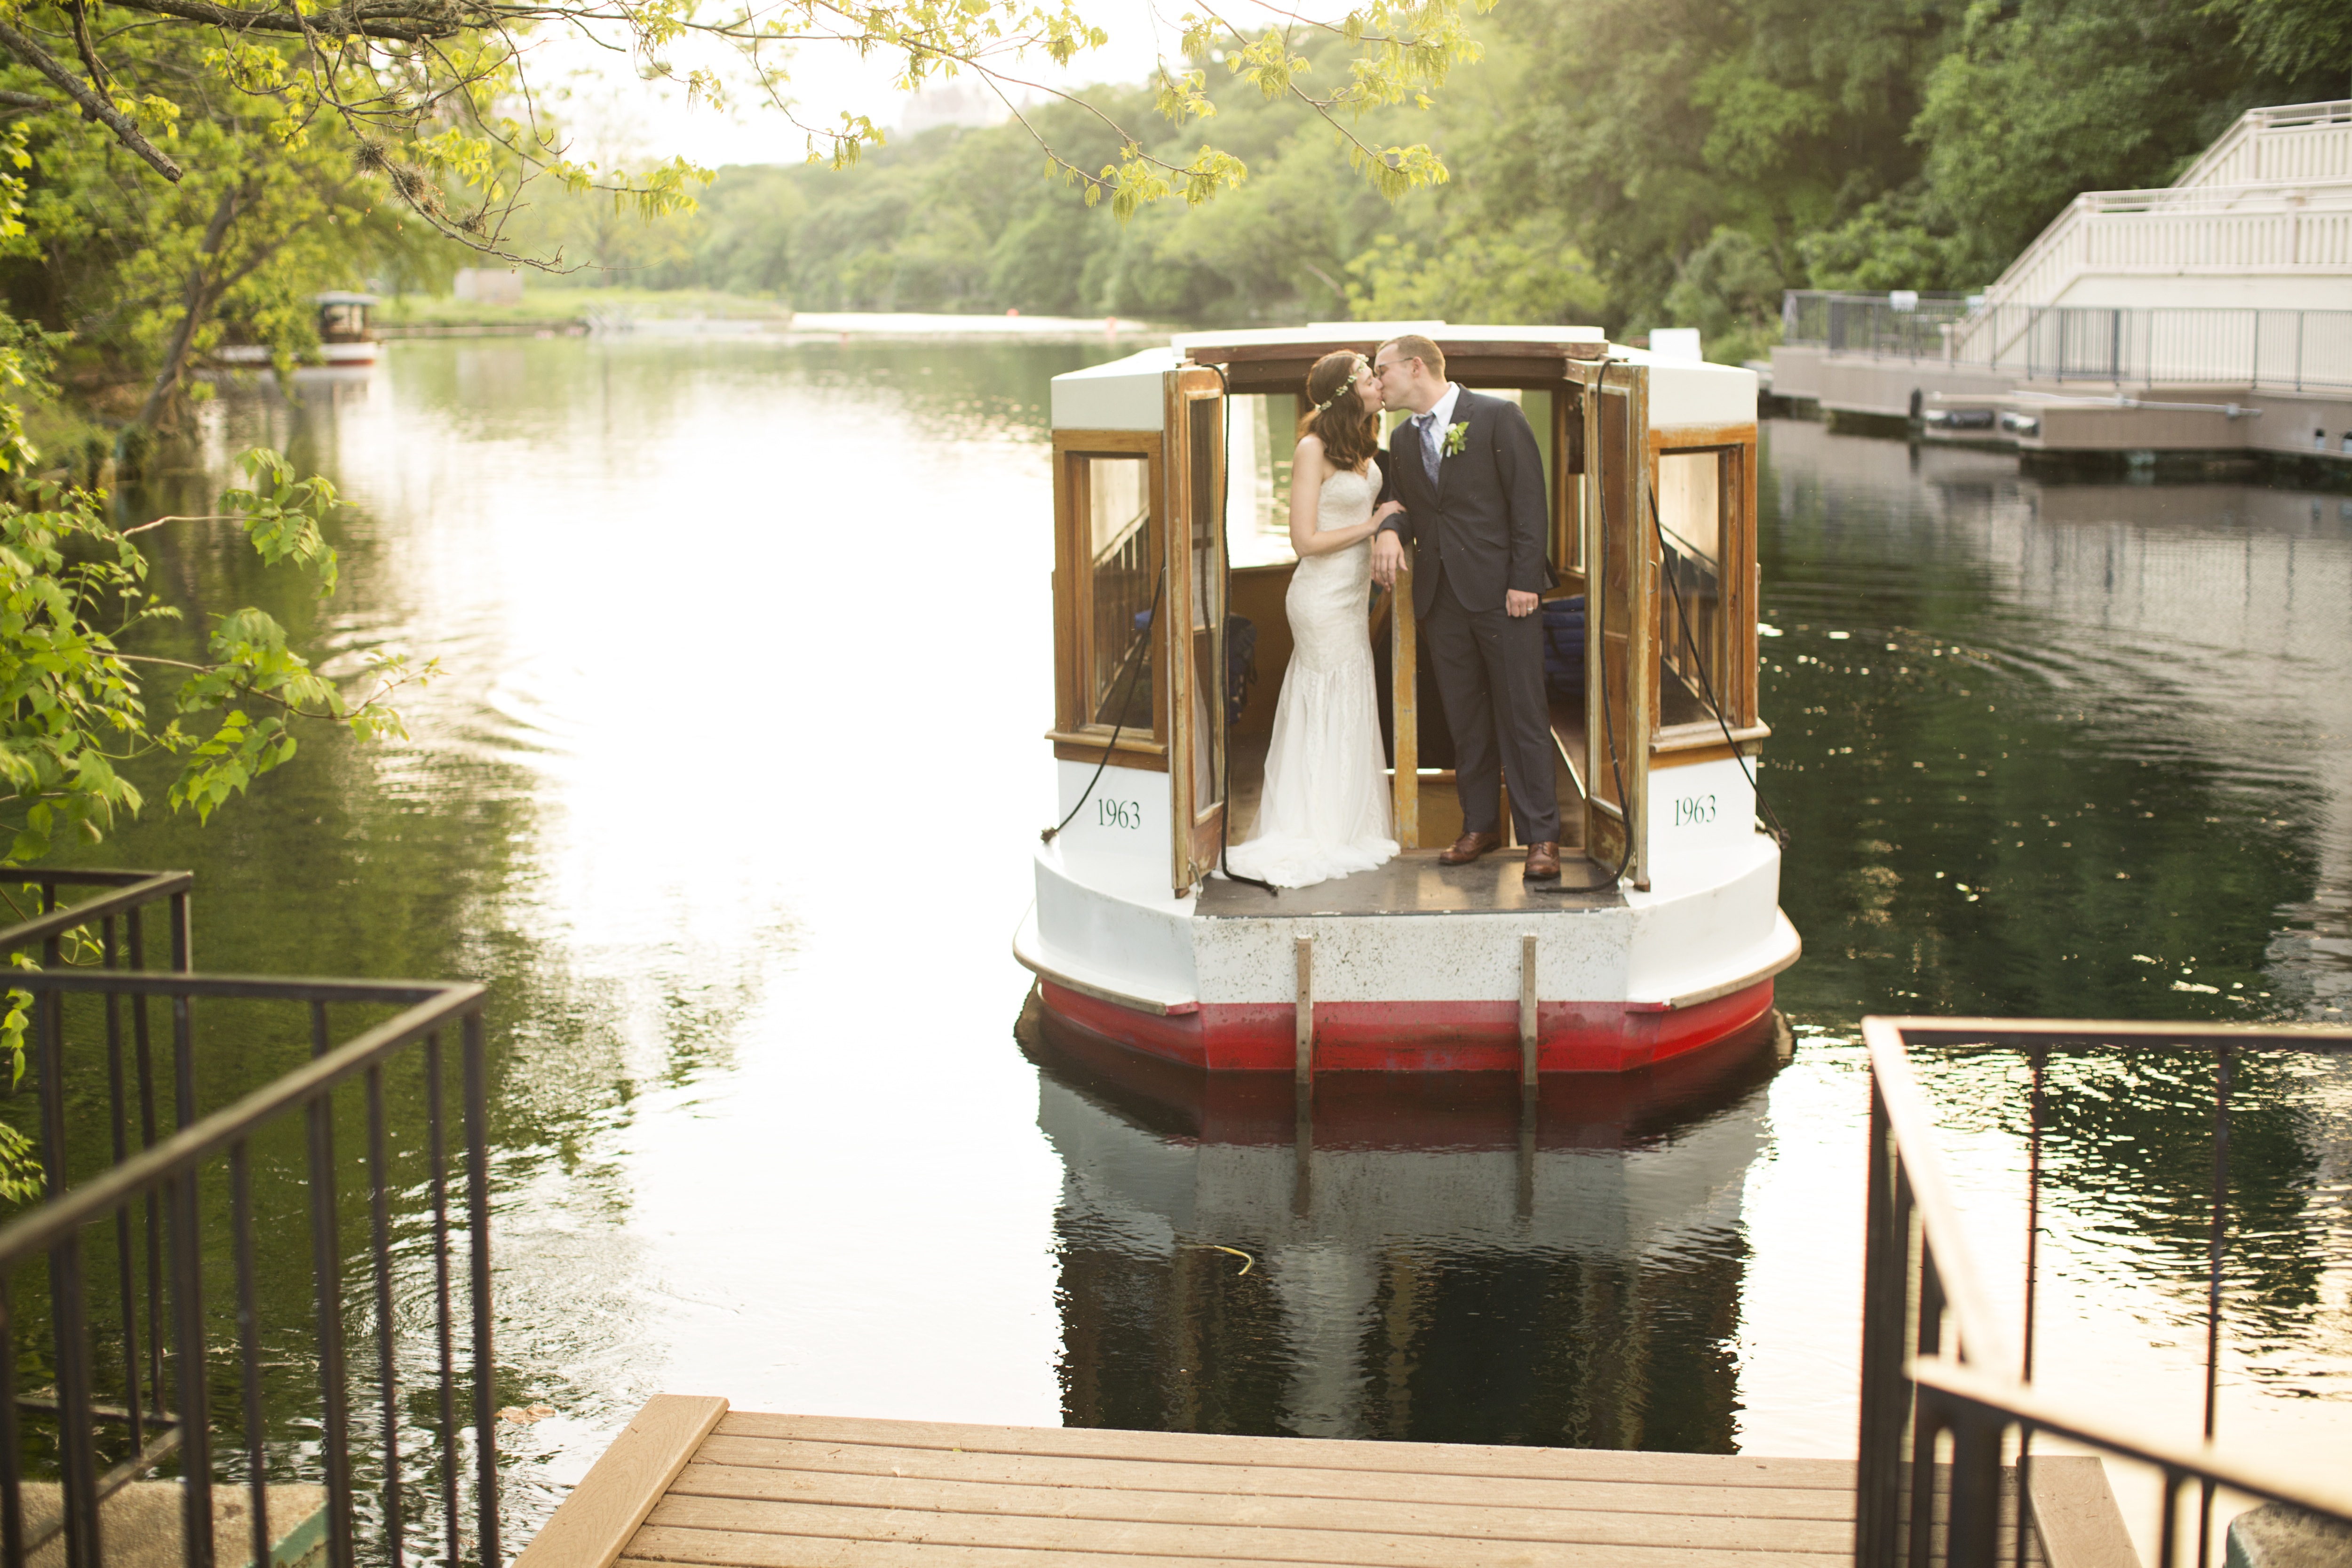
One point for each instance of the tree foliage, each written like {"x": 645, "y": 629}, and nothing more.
{"x": 76, "y": 708}
{"x": 436, "y": 96}
{"x": 1626, "y": 162}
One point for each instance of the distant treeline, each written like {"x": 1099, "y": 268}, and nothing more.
{"x": 1628, "y": 162}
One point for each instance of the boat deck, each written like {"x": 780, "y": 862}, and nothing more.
{"x": 1415, "y": 884}
{"x": 691, "y": 1482}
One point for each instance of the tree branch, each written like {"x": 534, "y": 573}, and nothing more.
{"x": 92, "y": 106}
{"x": 408, "y": 21}
{"x": 88, "y": 51}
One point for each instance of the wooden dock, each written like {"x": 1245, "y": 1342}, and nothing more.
{"x": 691, "y": 1482}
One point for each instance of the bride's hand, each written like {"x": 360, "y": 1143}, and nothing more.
{"x": 1388, "y": 509}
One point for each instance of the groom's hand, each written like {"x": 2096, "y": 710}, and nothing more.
{"x": 1388, "y": 557}
{"x": 1516, "y": 604}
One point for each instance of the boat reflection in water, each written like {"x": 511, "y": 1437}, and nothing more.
{"x": 1420, "y": 1258}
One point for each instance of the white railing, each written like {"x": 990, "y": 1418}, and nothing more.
{"x": 2276, "y": 351}
{"x": 2292, "y": 142}
{"x": 2269, "y": 228}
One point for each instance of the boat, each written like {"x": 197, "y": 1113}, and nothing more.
{"x": 346, "y": 341}
{"x": 1665, "y": 933}
{"x": 346, "y": 338}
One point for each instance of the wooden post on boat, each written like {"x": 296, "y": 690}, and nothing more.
{"x": 1305, "y": 1068}
{"x": 1404, "y": 709}
{"x": 1528, "y": 1011}
{"x": 1530, "y": 1085}
{"x": 1302, "y": 1093}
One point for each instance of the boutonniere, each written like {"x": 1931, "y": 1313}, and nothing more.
{"x": 1457, "y": 438}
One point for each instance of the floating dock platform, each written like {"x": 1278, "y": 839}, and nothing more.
{"x": 692, "y": 1482}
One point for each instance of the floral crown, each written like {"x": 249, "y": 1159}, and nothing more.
{"x": 1356, "y": 368}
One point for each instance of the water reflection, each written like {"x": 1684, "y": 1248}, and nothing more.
{"x": 2055, "y": 749}
{"x": 1418, "y": 1259}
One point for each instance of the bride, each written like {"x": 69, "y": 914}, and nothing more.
{"x": 1325, "y": 809}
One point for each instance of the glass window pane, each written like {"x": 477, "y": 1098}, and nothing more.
{"x": 1690, "y": 502}
{"x": 1119, "y": 509}
{"x": 1690, "y": 498}
{"x": 1262, "y": 432}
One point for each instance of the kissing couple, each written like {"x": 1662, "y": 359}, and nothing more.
{"x": 1464, "y": 486}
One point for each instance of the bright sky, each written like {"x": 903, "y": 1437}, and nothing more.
{"x": 629, "y": 119}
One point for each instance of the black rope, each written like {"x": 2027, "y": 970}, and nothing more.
{"x": 1150, "y": 624}
{"x": 1690, "y": 643}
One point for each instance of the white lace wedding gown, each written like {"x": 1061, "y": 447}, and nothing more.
{"x": 1325, "y": 809}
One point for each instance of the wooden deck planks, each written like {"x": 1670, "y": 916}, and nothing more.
{"x": 800, "y": 1492}
{"x": 804, "y": 1491}
{"x": 678, "y": 1518}
{"x": 1273, "y": 1480}
{"x": 1332, "y": 1453}
{"x": 1077, "y": 1505}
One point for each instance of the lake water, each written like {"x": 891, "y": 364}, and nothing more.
{"x": 728, "y": 790}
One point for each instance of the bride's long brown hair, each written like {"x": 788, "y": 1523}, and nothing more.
{"x": 1348, "y": 431}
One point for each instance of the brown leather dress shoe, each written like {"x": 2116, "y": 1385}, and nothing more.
{"x": 1468, "y": 848}
{"x": 1543, "y": 863}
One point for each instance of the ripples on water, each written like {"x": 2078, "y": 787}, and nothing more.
{"x": 729, "y": 789}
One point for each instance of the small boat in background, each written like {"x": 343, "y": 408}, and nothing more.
{"x": 1170, "y": 553}
{"x": 344, "y": 336}
{"x": 346, "y": 339}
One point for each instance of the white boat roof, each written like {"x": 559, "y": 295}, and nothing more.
{"x": 1128, "y": 394}
{"x": 1315, "y": 332}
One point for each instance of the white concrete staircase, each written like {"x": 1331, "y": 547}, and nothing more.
{"x": 2299, "y": 141}
{"x": 2262, "y": 220}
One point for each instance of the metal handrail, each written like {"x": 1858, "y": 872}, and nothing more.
{"x": 1935, "y": 1365}
{"x": 132, "y": 890}
{"x": 431, "y": 1006}
{"x": 2139, "y": 345}
{"x": 2272, "y": 1478}
{"x": 164, "y": 1327}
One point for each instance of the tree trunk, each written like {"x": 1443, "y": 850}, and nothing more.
{"x": 197, "y": 304}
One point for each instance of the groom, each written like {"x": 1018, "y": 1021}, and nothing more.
{"x": 1470, "y": 478}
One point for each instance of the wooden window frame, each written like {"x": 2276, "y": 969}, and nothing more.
{"x": 1733, "y": 448}
{"x": 1077, "y": 739}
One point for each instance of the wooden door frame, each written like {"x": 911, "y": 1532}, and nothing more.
{"x": 1610, "y": 830}
{"x": 1192, "y": 850}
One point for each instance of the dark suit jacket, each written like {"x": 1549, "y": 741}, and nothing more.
{"x": 1488, "y": 523}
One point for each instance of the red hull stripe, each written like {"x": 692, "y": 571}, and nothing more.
{"x": 1415, "y": 1037}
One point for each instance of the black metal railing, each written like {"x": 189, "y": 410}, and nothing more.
{"x": 186, "y": 1287}
{"x": 1948, "y": 1398}
{"x": 2143, "y": 345}
{"x": 1883, "y": 326}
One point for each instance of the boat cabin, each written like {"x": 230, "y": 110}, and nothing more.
{"x": 346, "y": 338}
{"x": 343, "y": 317}
{"x": 1170, "y": 485}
